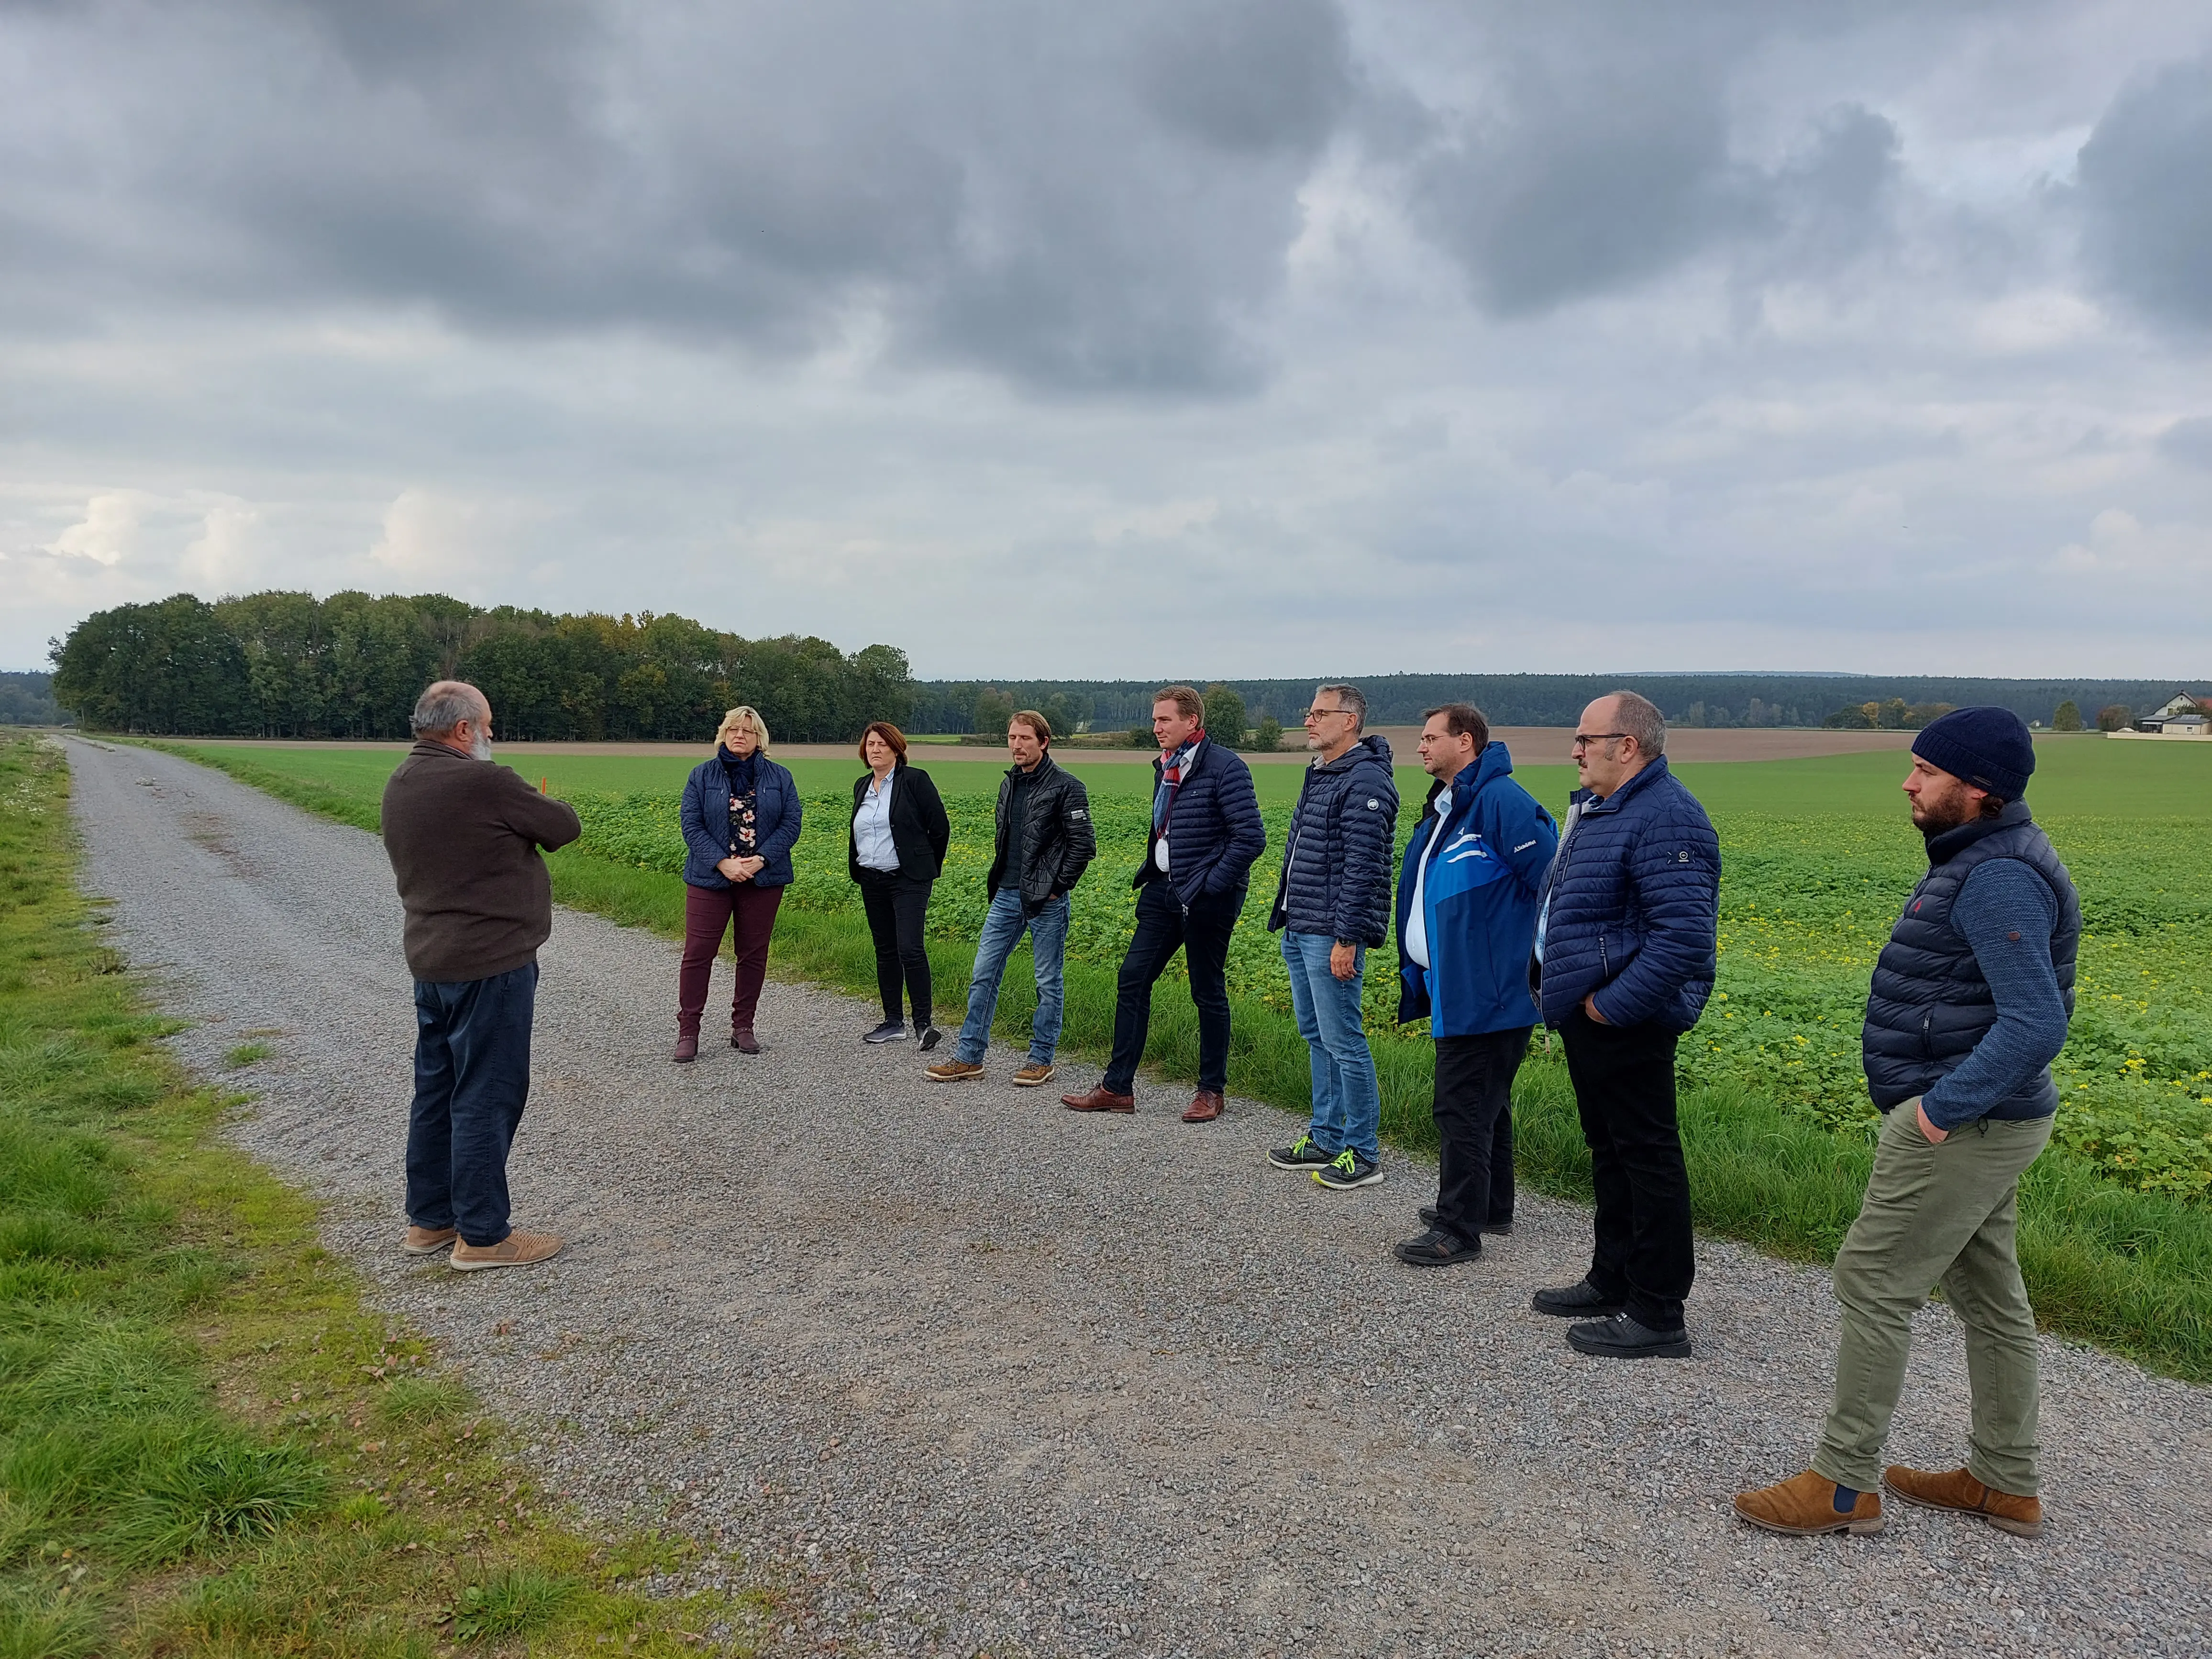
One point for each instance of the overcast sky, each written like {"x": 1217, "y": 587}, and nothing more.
{"x": 1215, "y": 337}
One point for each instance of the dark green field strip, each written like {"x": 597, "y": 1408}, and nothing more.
{"x": 2130, "y": 1270}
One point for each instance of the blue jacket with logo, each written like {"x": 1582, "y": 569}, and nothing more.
{"x": 1336, "y": 861}
{"x": 1634, "y": 898}
{"x": 1493, "y": 844}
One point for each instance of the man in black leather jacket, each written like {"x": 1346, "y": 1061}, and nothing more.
{"x": 1044, "y": 841}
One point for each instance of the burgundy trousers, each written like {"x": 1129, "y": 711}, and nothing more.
{"x": 708, "y": 913}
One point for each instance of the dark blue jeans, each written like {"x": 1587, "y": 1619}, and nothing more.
{"x": 472, "y": 1078}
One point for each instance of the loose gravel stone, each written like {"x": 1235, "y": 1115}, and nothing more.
{"x": 986, "y": 1376}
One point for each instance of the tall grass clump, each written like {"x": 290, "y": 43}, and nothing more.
{"x": 209, "y": 1444}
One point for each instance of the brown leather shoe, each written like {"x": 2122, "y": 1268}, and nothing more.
{"x": 427, "y": 1241}
{"x": 1101, "y": 1099}
{"x": 1034, "y": 1077}
{"x": 1205, "y": 1106}
{"x": 687, "y": 1048}
{"x": 1960, "y": 1491}
{"x": 953, "y": 1071}
{"x": 517, "y": 1249}
{"x": 1804, "y": 1506}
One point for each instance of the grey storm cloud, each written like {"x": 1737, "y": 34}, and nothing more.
{"x": 1090, "y": 199}
{"x": 2146, "y": 191}
{"x": 1098, "y": 200}
{"x": 1599, "y": 155}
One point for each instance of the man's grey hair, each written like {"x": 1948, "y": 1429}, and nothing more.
{"x": 1351, "y": 698}
{"x": 446, "y": 704}
{"x": 1639, "y": 717}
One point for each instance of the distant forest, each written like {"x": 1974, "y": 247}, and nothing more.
{"x": 291, "y": 666}
{"x": 283, "y": 665}
{"x": 1687, "y": 700}
{"x": 29, "y": 700}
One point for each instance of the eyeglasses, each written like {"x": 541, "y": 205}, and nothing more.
{"x": 1318, "y": 713}
{"x": 1583, "y": 740}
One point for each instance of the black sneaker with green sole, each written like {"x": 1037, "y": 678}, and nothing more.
{"x": 1300, "y": 1154}
{"x": 1348, "y": 1170}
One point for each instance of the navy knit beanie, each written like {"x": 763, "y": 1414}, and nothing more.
{"x": 1989, "y": 748}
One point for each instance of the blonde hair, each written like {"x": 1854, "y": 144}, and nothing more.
{"x": 743, "y": 715}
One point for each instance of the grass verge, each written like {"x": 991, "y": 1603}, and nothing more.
{"x": 2129, "y": 1270}
{"x": 209, "y": 1444}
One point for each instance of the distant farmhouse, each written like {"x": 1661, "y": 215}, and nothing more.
{"x": 2182, "y": 715}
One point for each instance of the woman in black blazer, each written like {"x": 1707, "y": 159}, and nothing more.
{"x": 896, "y": 848}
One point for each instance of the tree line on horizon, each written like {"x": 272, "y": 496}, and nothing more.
{"x": 1693, "y": 700}
{"x": 286, "y": 665}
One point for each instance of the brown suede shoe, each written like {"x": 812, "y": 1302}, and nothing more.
{"x": 1205, "y": 1106}
{"x": 743, "y": 1040}
{"x": 1960, "y": 1491}
{"x": 1035, "y": 1077}
{"x": 1804, "y": 1506}
{"x": 687, "y": 1048}
{"x": 1101, "y": 1099}
{"x": 428, "y": 1241}
{"x": 953, "y": 1071}
{"x": 517, "y": 1249}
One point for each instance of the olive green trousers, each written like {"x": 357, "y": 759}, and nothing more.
{"x": 1937, "y": 1214}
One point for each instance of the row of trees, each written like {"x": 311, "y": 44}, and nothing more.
{"x": 282, "y": 664}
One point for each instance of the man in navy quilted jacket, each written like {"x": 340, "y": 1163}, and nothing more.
{"x": 1333, "y": 907}
{"x": 1968, "y": 1008}
{"x": 1206, "y": 834}
{"x": 1625, "y": 948}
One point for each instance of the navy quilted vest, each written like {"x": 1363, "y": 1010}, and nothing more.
{"x": 1929, "y": 1005}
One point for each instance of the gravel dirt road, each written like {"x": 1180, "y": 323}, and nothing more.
{"x": 991, "y": 1376}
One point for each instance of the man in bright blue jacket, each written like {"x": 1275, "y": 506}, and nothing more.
{"x": 1627, "y": 945}
{"x": 1331, "y": 907}
{"x": 1467, "y": 921}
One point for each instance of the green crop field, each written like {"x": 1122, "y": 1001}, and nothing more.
{"x": 1817, "y": 856}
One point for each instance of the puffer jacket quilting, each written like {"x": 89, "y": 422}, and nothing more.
{"x": 1631, "y": 906}
{"x": 1058, "y": 840}
{"x": 1215, "y": 834}
{"x": 1929, "y": 1006}
{"x": 704, "y": 816}
{"x": 1336, "y": 862}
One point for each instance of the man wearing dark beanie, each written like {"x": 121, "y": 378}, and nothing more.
{"x": 1969, "y": 1006}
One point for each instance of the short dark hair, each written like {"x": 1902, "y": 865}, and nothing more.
{"x": 1993, "y": 804}
{"x": 1461, "y": 720}
{"x": 890, "y": 733}
{"x": 1039, "y": 727}
{"x": 1184, "y": 697}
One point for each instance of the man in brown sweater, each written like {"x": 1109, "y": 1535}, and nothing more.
{"x": 463, "y": 835}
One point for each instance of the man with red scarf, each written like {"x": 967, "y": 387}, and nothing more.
{"x": 1206, "y": 834}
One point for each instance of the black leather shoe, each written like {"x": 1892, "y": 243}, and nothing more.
{"x": 1439, "y": 1247}
{"x": 1622, "y": 1338}
{"x": 1495, "y": 1229}
{"x": 1581, "y": 1300}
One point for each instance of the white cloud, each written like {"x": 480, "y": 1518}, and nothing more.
{"x": 106, "y": 533}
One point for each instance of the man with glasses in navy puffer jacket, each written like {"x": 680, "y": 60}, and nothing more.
{"x": 1627, "y": 945}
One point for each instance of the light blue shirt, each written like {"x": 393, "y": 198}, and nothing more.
{"x": 872, "y": 826}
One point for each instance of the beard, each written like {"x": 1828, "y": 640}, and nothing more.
{"x": 1939, "y": 820}
{"x": 480, "y": 747}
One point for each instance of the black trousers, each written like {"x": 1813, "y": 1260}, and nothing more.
{"x": 1203, "y": 938}
{"x": 1473, "y": 1110}
{"x": 1624, "y": 1079}
{"x": 899, "y": 910}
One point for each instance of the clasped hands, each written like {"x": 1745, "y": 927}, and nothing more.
{"x": 737, "y": 869}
